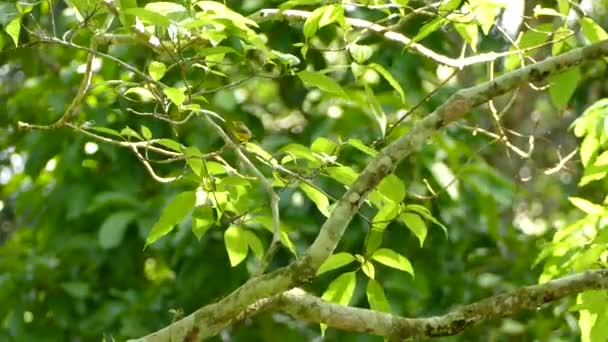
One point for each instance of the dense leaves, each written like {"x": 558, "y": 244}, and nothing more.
{"x": 126, "y": 196}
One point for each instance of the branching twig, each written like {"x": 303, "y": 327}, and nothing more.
{"x": 460, "y": 63}
{"x": 274, "y": 198}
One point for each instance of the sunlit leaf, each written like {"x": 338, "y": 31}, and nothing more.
{"x": 341, "y": 289}
{"x": 586, "y": 206}
{"x": 335, "y": 261}
{"x": 157, "y": 70}
{"x": 317, "y": 197}
{"x": 175, "y": 95}
{"x": 236, "y": 245}
{"x": 343, "y": 174}
{"x": 389, "y": 78}
{"x": 143, "y": 94}
{"x": 393, "y": 259}
{"x": 171, "y": 215}
{"x": 392, "y": 188}
{"x": 319, "y": 80}
{"x": 360, "y": 53}
{"x": 202, "y": 220}
{"x": 359, "y": 145}
{"x": 369, "y": 270}
{"x": 563, "y": 86}
{"x": 376, "y": 297}
{"x": 416, "y": 225}
{"x": 323, "y": 145}
{"x": 254, "y": 243}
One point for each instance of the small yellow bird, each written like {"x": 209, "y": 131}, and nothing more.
{"x": 240, "y": 131}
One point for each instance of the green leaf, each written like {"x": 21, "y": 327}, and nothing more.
{"x": 113, "y": 228}
{"x": 171, "y": 144}
{"x": 293, "y": 3}
{"x": 392, "y": 188}
{"x": 202, "y": 220}
{"x": 318, "y": 198}
{"x": 146, "y": 133}
{"x": 390, "y": 79}
{"x": 376, "y": 297}
{"x": 360, "y": 53}
{"x": 144, "y": 94}
{"x": 157, "y": 70}
{"x": 13, "y": 29}
{"x": 428, "y": 28}
{"x": 129, "y": 132}
{"x": 256, "y": 149}
{"x": 369, "y": 270}
{"x": 124, "y": 5}
{"x": 586, "y": 206}
{"x": 469, "y": 33}
{"x": 393, "y": 259}
{"x": 324, "y": 145}
{"x": 593, "y": 31}
{"x": 376, "y": 108}
{"x": 254, "y": 243}
{"x": 563, "y": 86}
{"x": 298, "y": 151}
{"x": 223, "y": 12}
{"x": 359, "y": 145}
{"x": 593, "y": 317}
{"x": 236, "y": 244}
{"x": 416, "y": 225}
{"x": 319, "y": 80}
{"x": 171, "y": 215}
{"x": 341, "y": 289}
{"x": 373, "y": 241}
{"x": 387, "y": 213}
{"x": 149, "y": 17}
{"x": 175, "y": 95}
{"x": 335, "y": 261}
{"x": 343, "y": 174}
{"x": 311, "y": 25}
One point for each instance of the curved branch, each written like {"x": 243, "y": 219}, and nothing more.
{"x": 302, "y": 305}
{"x": 209, "y": 320}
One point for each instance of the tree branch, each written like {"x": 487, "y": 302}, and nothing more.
{"x": 277, "y": 14}
{"x": 302, "y": 305}
{"x": 209, "y": 320}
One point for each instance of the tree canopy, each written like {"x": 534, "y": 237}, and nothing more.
{"x": 263, "y": 170}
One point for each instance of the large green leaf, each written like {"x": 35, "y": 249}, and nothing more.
{"x": 563, "y": 86}
{"x": 393, "y": 259}
{"x": 341, "y": 289}
{"x": 202, "y": 220}
{"x": 171, "y": 215}
{"x": 321, "y": 81}
{"x": 237, "y": 244}
{"x": 416, "y": 225}
{"x": 376, "y": 297}
{"x": 318, "y": 198}
{"x": 334, "y": 261}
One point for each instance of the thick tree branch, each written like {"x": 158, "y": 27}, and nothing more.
{"x": 210, "y": 319}
{"x": 302, "y": 305}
